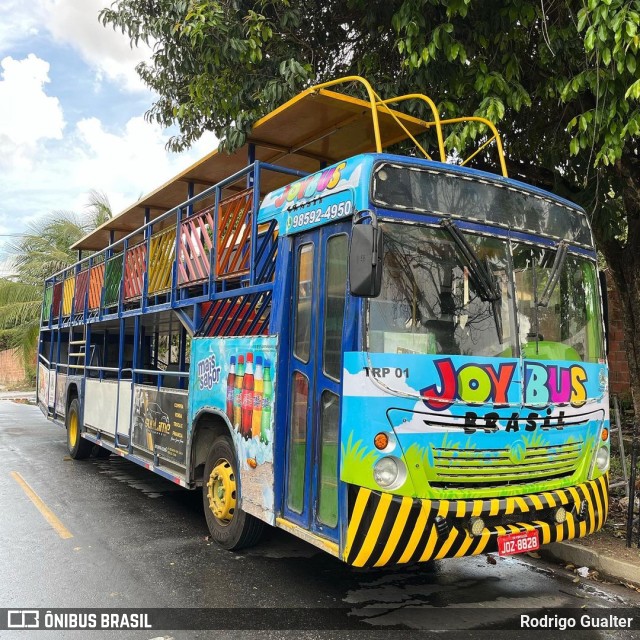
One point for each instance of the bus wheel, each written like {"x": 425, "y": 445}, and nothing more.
{"x": 230, "y": 527}
{"x": 79, "y": 448}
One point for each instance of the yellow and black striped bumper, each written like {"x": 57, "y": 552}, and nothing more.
{"x": 385, "y": 529}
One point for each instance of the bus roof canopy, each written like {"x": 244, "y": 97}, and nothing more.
{"x": 315, "y": 128}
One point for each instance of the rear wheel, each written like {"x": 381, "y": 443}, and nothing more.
{"x": 79, "y": 448}
{"x": 230, "y": 527}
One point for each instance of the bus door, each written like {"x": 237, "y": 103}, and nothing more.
{"x": 311, "y": 483}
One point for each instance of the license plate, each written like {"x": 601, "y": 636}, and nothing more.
{"x": 518, "y": 543}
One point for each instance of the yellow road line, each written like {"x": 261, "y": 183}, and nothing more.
{"x": 47, "y": 514}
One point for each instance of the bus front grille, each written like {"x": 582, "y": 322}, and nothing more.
{"x": 494, "y": 467}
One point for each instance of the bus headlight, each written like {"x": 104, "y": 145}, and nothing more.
{"x": 602, "y": 459}
{"x": 476, "y": 526}
{"x": 389, "y": 472}
{"x": 560, "y": 515}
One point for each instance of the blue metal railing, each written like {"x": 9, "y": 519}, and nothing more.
{"x": 176, "y": 297}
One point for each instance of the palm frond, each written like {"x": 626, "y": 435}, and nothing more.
{"x": 12, "y": 292}
{"x": 18, "y": 313}
{"x": 99, "y": 209}
{"x": 44, "y": 250}
{"x": 25, "y": 339}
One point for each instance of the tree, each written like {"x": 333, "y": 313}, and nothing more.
{"x": 559, "y": 77}
{"x": 42, "y": 251}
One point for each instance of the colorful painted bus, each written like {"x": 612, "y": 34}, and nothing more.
{"x": 396, "y": 358}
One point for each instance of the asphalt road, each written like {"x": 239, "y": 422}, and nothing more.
{"x": 119, "y": 536}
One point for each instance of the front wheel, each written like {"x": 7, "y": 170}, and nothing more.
{"x": 230, "y": 527}
{"x": 79, "y": 448}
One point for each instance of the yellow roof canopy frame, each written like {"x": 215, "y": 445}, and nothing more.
{"x": 313, "y": 129}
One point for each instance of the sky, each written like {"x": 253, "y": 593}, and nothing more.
{"x": 72, "y": 116}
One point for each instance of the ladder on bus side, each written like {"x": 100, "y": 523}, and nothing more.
{"x": 77, "y": 355}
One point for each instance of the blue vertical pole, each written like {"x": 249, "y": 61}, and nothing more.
{"x": 251, "y": 158}
{"x": 156, "y": 338}
{"x": 105, "y": 344}
{"x": 76, "y": 272}
{"x": 121, "y": 346}
{"x": 191, "y": 190}
{"x": 87, "y": 348}
{"x": 197, "y": 316}
{"x": 182, "y": 355}
{"x": 51, "y": 365}
{"x": 136, "y": 343}
{"x": 254, "y": 221}
{"x": 125, "y": 248}
{"x": 174, "y": 278}
{"x": 145, "y": 279}
{"x": 216, "y": 233}
{"x": 134, "y": 365}
{"x": 213, "y": 256}
{"x": 107, "y": 254}
{"x": 85, "y": 310}
{"x": 251, "y": 180}
{"x": 55, "y": 389}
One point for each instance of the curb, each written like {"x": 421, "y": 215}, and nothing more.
{"x": 17, "y": 395}
{"x": 584, "y": 557}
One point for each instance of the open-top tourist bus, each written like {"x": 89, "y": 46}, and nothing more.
{"x": 395, "y": 358}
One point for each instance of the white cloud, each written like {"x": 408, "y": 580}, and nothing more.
{"x": 17, "y": 22}
{"x": 47, "y": 164}
{"x": 124, "y": 164}
{"x": 130, "y": 163}
{"x": 106, "y": 50}
{"x": 28, "y": 116}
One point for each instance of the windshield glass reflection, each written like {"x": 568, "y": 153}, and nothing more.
{"x": 430, "y": 302}
{"x": 568, "y": 326}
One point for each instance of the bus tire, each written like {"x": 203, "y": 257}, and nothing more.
{"x": 78, "y": 447}
{"x": 229, "y": 526}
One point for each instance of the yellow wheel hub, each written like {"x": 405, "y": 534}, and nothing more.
{"x": 73, "y": 429}
{"x": 221, "y": 491}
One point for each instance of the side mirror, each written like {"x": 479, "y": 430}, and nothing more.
{"x": 366, "y": 254}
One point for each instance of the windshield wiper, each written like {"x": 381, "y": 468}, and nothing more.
{"x": 480, "y": 274}
{"x": 554, "y": 276}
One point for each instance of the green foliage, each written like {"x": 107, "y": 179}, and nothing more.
{"x": 611, "y": 43}
{"x": 560, "y": 79}
{"x": 216, "y": 65}
{"x": 44, "y": 249}
{"x": 19, "y": 305}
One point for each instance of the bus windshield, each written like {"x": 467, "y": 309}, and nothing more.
{"x": 568, "y": 326}
{"x": 430, "y": 300}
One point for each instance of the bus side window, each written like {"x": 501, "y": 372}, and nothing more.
{"x": 298, "y": 442}
{"x": 303, "y": 291}
{"x": 336, "y": 278}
